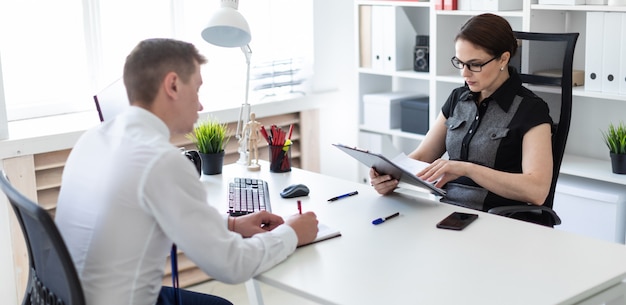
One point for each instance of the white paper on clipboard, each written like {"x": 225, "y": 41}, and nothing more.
{"x": 401, "y": 168}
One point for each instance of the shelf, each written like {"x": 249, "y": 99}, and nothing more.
{"x": 580, "y": 91}
{"x": 590, "y": 168}
{"x": 450, "y": 79}
{"x": 375, "y": 72}
{"x": 393, "y": 132}
{"x": 576, "y": 91}
{"x": 412, "y": 74}
{"x": 403, "y": 73}
{"x": 592, "y": 109}
{"x": 582, "y": 8}
{"x": 473, "y": 13}
{"x": 405, "y": 3}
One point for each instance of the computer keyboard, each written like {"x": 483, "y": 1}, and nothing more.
{"x": 247, "y": 195}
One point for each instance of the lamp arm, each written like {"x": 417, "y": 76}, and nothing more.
{"x": 244, "y": 111}
{"x": 247, "y": 52}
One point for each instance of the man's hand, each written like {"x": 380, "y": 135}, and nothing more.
{"x": 305, "y": 225}
{"x": 258, "y": 222}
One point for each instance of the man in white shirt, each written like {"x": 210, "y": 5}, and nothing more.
{"x": 128, "y": 194}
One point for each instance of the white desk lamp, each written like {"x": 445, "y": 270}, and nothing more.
{"x": 228, "y": 28}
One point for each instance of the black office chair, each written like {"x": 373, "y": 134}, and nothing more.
{"x": 111, "y": 100}
{"x": 52, "y": 279}
{"x": 552, "y": 56}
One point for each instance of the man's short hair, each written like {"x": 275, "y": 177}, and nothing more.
{"x": 152, "y": 59}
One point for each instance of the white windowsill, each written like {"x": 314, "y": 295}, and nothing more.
{"x": 27, "y": 137}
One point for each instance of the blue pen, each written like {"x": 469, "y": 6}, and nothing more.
{"x": 381, "y": 220}
{"x": 342, "y": 196}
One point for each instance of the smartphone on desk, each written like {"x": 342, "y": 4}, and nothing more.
{"x": 457, "y": 221}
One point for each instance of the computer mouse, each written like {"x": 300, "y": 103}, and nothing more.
{"x": 295, "y": 190}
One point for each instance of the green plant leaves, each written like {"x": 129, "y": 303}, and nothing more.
{"x": 210, "y": 136}
{"x": 615, "y": 138}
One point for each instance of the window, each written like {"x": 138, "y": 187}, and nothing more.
{"x": 44, "y": 62}
{"x": 56, "y": 55}
{"x": 282, "y": 31}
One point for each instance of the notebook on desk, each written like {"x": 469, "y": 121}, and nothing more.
{"x": 388, "y": 167}
{"x": 324, "y": 232}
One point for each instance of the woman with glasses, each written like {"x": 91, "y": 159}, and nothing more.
{"x": 497, "y": 133}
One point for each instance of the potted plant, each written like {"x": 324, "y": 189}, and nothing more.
{"x": 211, "y": 137}
{"x": 615, "y": 139}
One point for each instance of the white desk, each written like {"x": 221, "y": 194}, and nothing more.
{"x": 408, "y": 261}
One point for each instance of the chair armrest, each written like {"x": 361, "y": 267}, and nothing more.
{"x": 510, "y": 210}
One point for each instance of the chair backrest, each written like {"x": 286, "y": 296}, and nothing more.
{"x": 53, "y": 279}
{"x": 111, "y": 100}
{"x": 546, "y": 59}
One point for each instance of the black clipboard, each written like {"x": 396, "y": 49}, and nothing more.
{"x": 387, "y": 167}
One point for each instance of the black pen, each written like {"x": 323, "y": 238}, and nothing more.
{"x": 342, "y": 196}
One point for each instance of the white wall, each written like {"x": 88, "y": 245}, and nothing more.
{"x": 7, "y": 282}
{"x": 335, "y": 68}
{"x": 4, "y": 128}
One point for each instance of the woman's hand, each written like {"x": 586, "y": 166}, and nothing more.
{"x": 442, "y": 171}
{"x": 383, "y": 184}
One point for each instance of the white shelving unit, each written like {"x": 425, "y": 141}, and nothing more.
{"x": 586, "y": 154}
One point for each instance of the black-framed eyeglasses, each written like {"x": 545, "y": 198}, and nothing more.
{"x": 474, "y": 67}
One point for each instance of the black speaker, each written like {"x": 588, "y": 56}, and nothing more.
{"x": 420, "y": 56}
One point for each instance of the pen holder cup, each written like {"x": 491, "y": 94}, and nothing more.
{"x": 280, "y": 158}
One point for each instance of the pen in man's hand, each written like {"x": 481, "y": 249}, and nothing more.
{"x": 342, "y": 196}
{"x": 381, "y": 220}
{"x": 299, "y": 207}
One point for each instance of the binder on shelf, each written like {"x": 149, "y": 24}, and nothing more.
{"x": 380, "y": 27}
{"x": 365, "y": 36}
{"x": 611, "y": 52}
{"x": 450, "y": 5}
{"x": 593, "y": 53}
{"x": 464, "y": 5}
{"x": 438, "y": 4}
{"x": 393, "y": 39}
{"x": 389, "y": 39}
{"x": 622, "y": 62}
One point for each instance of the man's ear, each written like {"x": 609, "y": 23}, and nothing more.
{"x": 170, "y": 84}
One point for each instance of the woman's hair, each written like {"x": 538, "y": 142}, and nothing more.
{"x": 489, "y": 32}
{"x": 151, "y": 60}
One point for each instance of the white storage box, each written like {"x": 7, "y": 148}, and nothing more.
{"x": 597, "y": 2}
{"x": 382, "y": 110}
{"x": 590, "y": 207}
{"x": 495, "y": 5}
{"x": 565, "y": 2}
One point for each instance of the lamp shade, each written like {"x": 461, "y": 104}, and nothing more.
{"x": 227, "y": 27}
